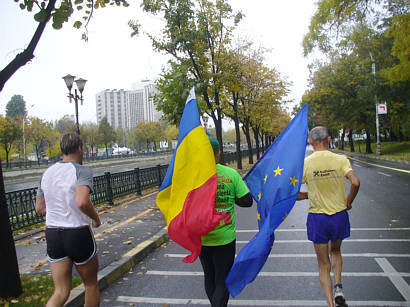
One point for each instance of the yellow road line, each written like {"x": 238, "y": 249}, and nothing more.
{"x": 25, "y": 241}
{"x": 44, "y": 260}
{"x": 392, "y": 168}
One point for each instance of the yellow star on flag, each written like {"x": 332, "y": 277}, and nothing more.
{"x": 277, "y": 171}
{"x": 258, "y": 216}
{"x": 259, "y": 196}
{"x": 286, "y": 215}
{"x": 293, "y": 180}
{"x": 266, "y": 178}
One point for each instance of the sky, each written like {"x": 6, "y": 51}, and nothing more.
{"x": 111, "y": 59}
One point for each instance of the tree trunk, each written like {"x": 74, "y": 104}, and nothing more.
{"x": 106, "y": 150}
{"x": 342, "y": 140}
{"x": 245, "y": 129}
{"x": 351, "y": 141}
{"x": 10, "y": 284}
{"x": 237, "y": 131}
{"x": 368, "y": 142}
{"x": 256, "y": 135}
{"x": 38, "y": 159}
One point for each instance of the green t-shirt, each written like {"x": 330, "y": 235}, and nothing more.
{"x": 230, "y": 185}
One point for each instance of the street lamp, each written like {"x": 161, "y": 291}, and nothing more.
{"x": 24, "y": 136}
{"x": 69, "y": 80}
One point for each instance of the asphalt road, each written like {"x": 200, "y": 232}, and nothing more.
{"x": 376, "y": 256}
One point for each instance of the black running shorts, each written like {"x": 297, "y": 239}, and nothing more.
{"x": 78, "y": 244}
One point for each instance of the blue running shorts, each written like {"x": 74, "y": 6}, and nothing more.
{"x": 322, "y": 228}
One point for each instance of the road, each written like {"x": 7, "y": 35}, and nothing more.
{"x": 14, "y": 184}
{"x": 376, "y": 256}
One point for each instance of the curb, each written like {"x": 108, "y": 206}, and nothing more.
{"x": 116, "y": 269}
{"x": 353, "y": 154}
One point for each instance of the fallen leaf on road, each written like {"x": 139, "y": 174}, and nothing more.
{"x": 38, "y": 266}
{"x": 127, "y": 242}
{"x": 106, "y": 252}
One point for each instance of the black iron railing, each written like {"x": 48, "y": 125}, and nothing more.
{"x": 106, "y": 188}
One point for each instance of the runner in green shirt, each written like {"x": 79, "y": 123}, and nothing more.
{"x": 218, "y": 247}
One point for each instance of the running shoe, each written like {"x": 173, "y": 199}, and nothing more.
{"x": 339, "y": 296}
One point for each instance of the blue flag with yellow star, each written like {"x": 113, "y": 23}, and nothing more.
{"x": 274, "y": 182}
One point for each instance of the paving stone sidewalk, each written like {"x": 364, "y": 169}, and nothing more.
{"x": 124, "y": 226}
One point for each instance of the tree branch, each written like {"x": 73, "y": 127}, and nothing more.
{"x": 28, "y": 54}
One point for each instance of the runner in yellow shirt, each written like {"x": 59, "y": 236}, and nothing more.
{"x": 328, "y": 220}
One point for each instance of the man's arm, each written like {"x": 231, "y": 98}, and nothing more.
{"x": 83, "y": 201}
{"x": 354, "y": 188}
{"x": 40, "y": 205}
{"x": 302, "y": 196}
{"x": 244, "y": 201}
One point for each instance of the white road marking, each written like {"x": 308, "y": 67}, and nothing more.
{"x": 236, "y": 302}
{"x": 365, "y": 255}
{"x": 384, "y": 174}
{"x": 358, "y": 165}
{"x": 352, "y": 229}
{"x": 344, "y": 241}
{"x": 398, "y": 281}
{"x": 286, "y": 274}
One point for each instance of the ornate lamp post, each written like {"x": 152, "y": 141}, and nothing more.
{"x": 69, "y": 80}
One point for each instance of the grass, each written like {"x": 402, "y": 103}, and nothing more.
{"x": 392, "y": 150}
{"x": 37, "y": 289}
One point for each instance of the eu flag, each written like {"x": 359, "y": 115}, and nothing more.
{"x": 274, "y": 182}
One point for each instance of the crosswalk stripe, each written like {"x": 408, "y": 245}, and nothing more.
{"x": 344, "y": 241}
{"x": 286, "y": 274}
{"x": 237, "y": 302}
{"x": 351, "y": 229}
{"x": 366, "y": 255}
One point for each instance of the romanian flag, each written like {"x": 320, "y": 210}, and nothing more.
{"x": 186, "y": 197}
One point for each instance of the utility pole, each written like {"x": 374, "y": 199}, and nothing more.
{"x": 378, "y": 147}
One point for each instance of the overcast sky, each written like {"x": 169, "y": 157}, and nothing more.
{"x": 111, "y": 59}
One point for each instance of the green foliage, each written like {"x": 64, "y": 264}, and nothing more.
{"x": 62, "y": 13}
{"x": 10, "y": 131}
{"x": 66, "y": 124}
{"x": 90, "y": 136}
{"x": 37, "y": 133}
{"x": 16, "y": 107}
{"x": 106, "y": 132}
{"x": 147, "y": 133}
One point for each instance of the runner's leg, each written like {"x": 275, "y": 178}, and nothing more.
{"x": 88, "y": 273}
{"x": 209, "y": 270}
{"x": 337, "y": 261}
{"x": 62, "y": 275}
{"x": 323, "y": 261}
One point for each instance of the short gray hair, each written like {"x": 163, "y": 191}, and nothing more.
{"x": 318, "y": 133}
{"x": 70, "y": 142}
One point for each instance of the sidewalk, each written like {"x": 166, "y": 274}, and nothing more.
{"x": 129, "y": 231}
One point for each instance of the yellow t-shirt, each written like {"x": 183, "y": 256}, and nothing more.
{"x": 324, "y": 174}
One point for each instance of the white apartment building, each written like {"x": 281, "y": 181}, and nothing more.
{"x": 125, "y": 109}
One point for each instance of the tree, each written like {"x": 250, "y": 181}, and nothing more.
{"x": 66, "y": 124}
{"x": 196, "y": 35}
{"x": 10, "y": 131}
{"x": 147, "y": 133}
{"x": 170, "y": 133}
{"x": 16, "y": 107}
{"x": 46, "y": 10}
{"x": 37, "y": 134}
{"x": 106, "y": 133}
{"x": 90, "y": 136}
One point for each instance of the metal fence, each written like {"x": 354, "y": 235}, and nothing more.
{"x": 106, "y": 188}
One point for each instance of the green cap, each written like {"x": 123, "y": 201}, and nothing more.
{"x": 214, "y": 143}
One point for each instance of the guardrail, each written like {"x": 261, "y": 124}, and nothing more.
{"x": 106, "y": 188}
